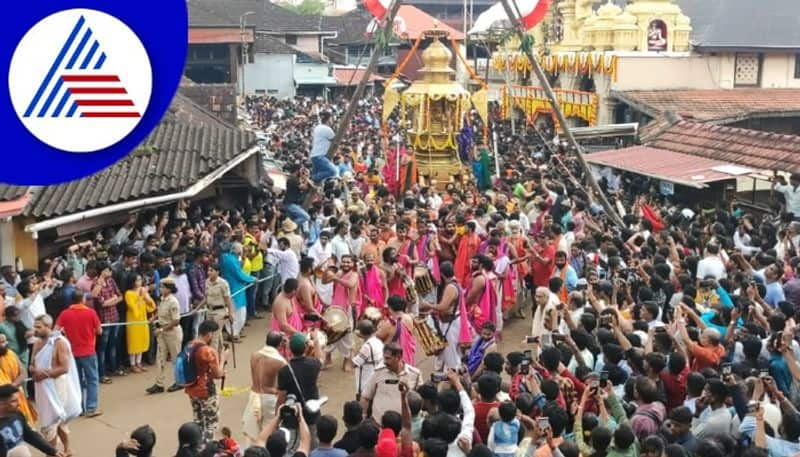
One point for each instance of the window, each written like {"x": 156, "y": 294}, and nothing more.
{"x": 797, "y": 66}
{"x": 291, "y": 39}
{"x": 747, "y": 70}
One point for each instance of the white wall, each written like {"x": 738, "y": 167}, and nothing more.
{"x": 271, "y": 73}
{"x": 698, "y": 71}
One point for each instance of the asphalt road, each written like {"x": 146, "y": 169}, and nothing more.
{"x": 125, "y": 405}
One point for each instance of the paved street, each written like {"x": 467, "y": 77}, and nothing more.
{"x": 126, "y": 406}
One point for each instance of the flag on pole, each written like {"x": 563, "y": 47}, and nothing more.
{"x": 531, "y": 13}
{"x": 378, "y": 8}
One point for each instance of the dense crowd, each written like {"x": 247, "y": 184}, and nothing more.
{"x": 673, "y": 335}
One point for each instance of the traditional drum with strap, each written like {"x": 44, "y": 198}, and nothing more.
{"x": 432, "y": 343}
{"x": 337, "y": 325}
{"x": 423, "y": 281}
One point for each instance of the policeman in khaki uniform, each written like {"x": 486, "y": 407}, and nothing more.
{"x": 168, "y": 334}
{"x": 219, "y": 304}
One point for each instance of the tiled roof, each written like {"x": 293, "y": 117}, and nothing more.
{"x": 266, "y": 44}
{"x": 352, "y": 76}
{"x": 223, "y": 13}
{"x": 663, "y": 164}
{"x": 184, "y": 110}
{"x": 749, "y": 148}
{"x": 717, "y": 105}
{"x": 275, "y": 18}
{"x": 351, "y": 27}
{"x": 418, "y": 21}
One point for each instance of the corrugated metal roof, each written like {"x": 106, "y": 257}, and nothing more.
{"x": 352, "y": 76}
{"x": 662, "y": 164}
{"x": 174, "y": 156}
{"x": 744, "y": 24}
{"x": 9, "y": 192}
{"x": 717, "y": 105}
{"x": 749, "y": 148}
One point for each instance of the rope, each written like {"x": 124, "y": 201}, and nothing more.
{"x": 472, "y": 73}
{"x": 403, "y": 64}
{"x": 190, "y": 313}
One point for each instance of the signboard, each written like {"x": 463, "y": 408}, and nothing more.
{"x": 657, "y": 36}
{"x": 666, "y": 188}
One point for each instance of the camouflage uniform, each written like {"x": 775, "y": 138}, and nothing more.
{"x": 206, "y": 415}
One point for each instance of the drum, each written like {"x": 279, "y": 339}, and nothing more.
{"x": 337, "y": 325}
{"x": 373, "y": 314}
{"x": 411, "y": 290}
{"x": 432, "y": 343}
{"x": 423, "y": 281}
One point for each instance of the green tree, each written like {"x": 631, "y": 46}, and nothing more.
{"x": 307, "y": 7}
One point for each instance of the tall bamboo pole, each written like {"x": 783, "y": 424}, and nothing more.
{"x": 359, "y": 92}
{"x": 517, "y": 27}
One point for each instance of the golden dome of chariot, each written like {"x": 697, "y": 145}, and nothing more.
{"x": 609, "y": 11}
{"x": 436, "y": 59}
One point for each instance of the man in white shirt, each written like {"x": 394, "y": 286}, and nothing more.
{"x": 369, "y": 356}
{"x": 467, "y": 419}
{"x": 285, "y": 260}
{"x": 791, "y": 193}
{"x": 711, "y": 265}
{"x": 339, "y": 246}
{"x": 322, "y": 253}
{"x": 356, "y": 241}
{"x": 321, "y": 166}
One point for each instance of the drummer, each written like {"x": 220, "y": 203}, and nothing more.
{"x": 446, "y": 319}
{"x": 346, "y": 296}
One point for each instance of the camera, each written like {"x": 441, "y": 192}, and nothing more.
{"x": 288, "y": 412}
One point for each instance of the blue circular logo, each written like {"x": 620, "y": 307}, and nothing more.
{"x": 87, "y": 82}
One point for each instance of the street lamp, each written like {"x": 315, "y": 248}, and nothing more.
{"x": 242, "y": 22}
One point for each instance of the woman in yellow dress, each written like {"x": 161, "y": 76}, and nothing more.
{"x": 139, "y": 304}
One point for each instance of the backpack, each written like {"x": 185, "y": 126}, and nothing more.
{"x": 185, "y": 365}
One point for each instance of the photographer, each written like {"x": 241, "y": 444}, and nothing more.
{"x": 274, "y": 439}
{"x": 299, "y": 379}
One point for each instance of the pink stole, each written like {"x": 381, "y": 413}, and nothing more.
{"x": 465, "y": 331}
{"x": 487, "y": 304}
{"x": 373, "y": 289}
{"x": 341, "y": 298}
{"x": 406, "y": 340}
{"x": 294, "y": 319}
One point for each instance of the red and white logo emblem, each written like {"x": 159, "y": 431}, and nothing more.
{"x": 80, "y": 80}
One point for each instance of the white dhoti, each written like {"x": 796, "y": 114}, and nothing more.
{"x": 451, "y": 356}
{"x": 259, "y": 410}
{"x": 57, "y": 400}
{"x": 239, "y": 318}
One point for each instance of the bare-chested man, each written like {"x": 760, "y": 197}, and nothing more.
{"x": 346, "y": 296}
{"x": 307, "y": 297}
{"x": 285, "y": 314}
{"x": 446, "y": 320}
{"x": 264, "y": 366}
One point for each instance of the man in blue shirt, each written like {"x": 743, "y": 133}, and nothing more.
{"x": 321, "y": 166}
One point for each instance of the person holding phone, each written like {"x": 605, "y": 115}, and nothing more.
{"x": 380, "y": 393}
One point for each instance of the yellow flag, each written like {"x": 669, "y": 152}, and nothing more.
{"x": 481, "y": 101}
{"x": 390, "y": 99}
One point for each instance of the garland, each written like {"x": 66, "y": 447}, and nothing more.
{"x": 577, "y": 63}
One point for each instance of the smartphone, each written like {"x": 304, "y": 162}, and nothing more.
{"x": 726, "y": 369}
{"x": 392, "y": 381}
{"x": 547, "y": 339}
{"x": 436, "y": 378}
{"x": 530, "y": 339}
{"x": 603, "y": 378}
{"x": 594, "y": 384}
{"x": 752, "y": 407}
{"x": 525, "y": 367}
{"x": 763, "y": 373}
{"x": 559, "y": 337}
{"x": 544, "y": 423}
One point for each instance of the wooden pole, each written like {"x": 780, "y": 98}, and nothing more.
{"x": 359, "y": 92}
{"x": 517, "y": 27}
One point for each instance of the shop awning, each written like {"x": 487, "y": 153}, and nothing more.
{"x": 686, "y": 170}
{"x": 315, "y": 81}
